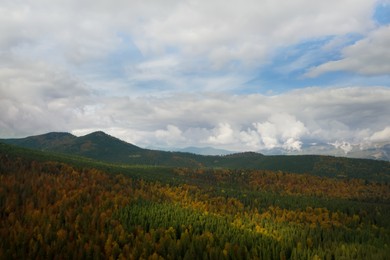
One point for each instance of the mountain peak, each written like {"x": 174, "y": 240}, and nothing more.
{"x": 98, "y": 133}
{"x": 43, "y": 141}
{"x": 56, "y": 135}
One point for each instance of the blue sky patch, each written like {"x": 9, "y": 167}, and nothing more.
{"x": 382, "y": 14}
{"x": 288, "y": 66}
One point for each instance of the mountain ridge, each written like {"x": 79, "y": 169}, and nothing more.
{"x": 207, "y": 150}
{"x": 378, "y": 151}
{"x": 103, "y": 147}
{"x": 43, "y": 141}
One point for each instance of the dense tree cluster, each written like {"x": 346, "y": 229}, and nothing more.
{"x": 53, "y": 210}
{"x": 291, "y": 183}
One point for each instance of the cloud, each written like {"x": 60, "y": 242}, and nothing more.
{"x": 237, "y": 122}
{"x": 35, "y": 97}
{"x": 381, "y": 136}
{"x": 345, "y": 146}
{"x": 227, "y": 32}
{"x": 171, "y": 136}
{"x": 281, "y": 130}
{"x": 177, "y": 72}
{"x": 369, "y": 56}
{"x": 286, "y": 120}
{"x": 223, "y": 134}
{"x": 193, "y": 37}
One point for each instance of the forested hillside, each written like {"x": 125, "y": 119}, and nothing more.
{"x": 106, "y": 148}
{"x": 63, "y": 207}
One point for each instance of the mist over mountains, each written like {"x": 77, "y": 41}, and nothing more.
{"x": 378, "y": 151}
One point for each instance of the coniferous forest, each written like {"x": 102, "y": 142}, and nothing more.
{"x": 62, "y": 207}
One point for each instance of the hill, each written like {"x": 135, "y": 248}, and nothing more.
{"x": 103, "y": 147}
{"x": 49, "y": 141}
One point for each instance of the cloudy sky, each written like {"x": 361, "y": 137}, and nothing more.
{"x": 234, "y": 74}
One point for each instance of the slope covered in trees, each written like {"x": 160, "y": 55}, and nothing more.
{"x": 103, "y": 147}
{"x": 59, "y": 207}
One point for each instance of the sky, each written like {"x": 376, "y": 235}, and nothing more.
{"x": 242, "y": 75}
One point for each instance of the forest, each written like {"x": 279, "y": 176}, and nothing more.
{"x": 62, "y": 207}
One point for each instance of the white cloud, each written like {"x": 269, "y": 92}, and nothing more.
{"x": 226, "y": 31}
{"x": 253, "y": 122}
{"x": 281, "y": 130}
{"x": 345, "y": 146}
{"x": 222, "y": 134}
{"x": 381, "y": 136}
{"x": 237, "y": 122}
{"x": 251, "y": 139}
{"x": 268, "y": 134}
{"x": 172, "y": 135}
{"x": 369, "y": 56}
{"x": 219, "y": 33}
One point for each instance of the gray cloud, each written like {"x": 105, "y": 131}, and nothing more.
{"x": 35, "y": 97}
{"x": 239, "y": 122}
{"x": 245, "y": 122}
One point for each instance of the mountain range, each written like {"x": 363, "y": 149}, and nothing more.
{"x": 378, "y": 151}
{"x": 103, "y": 147}
{"x": 375, "y": 151}
{"x": 197, "y": 150}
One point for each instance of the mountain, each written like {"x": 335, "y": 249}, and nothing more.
{"x": 100, "y": 146}
{"x": 378, "y": 151}
{"x": 204, "y": 150}
{"x": 97, "y": 145}
{"x": 103, "y": 147}
{"x": 49, "y": 141}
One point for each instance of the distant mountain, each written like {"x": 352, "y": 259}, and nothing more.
{"x": 204, "y": 150}
{"x": 103, "y": 147}
{"x": 378, "y": 151}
